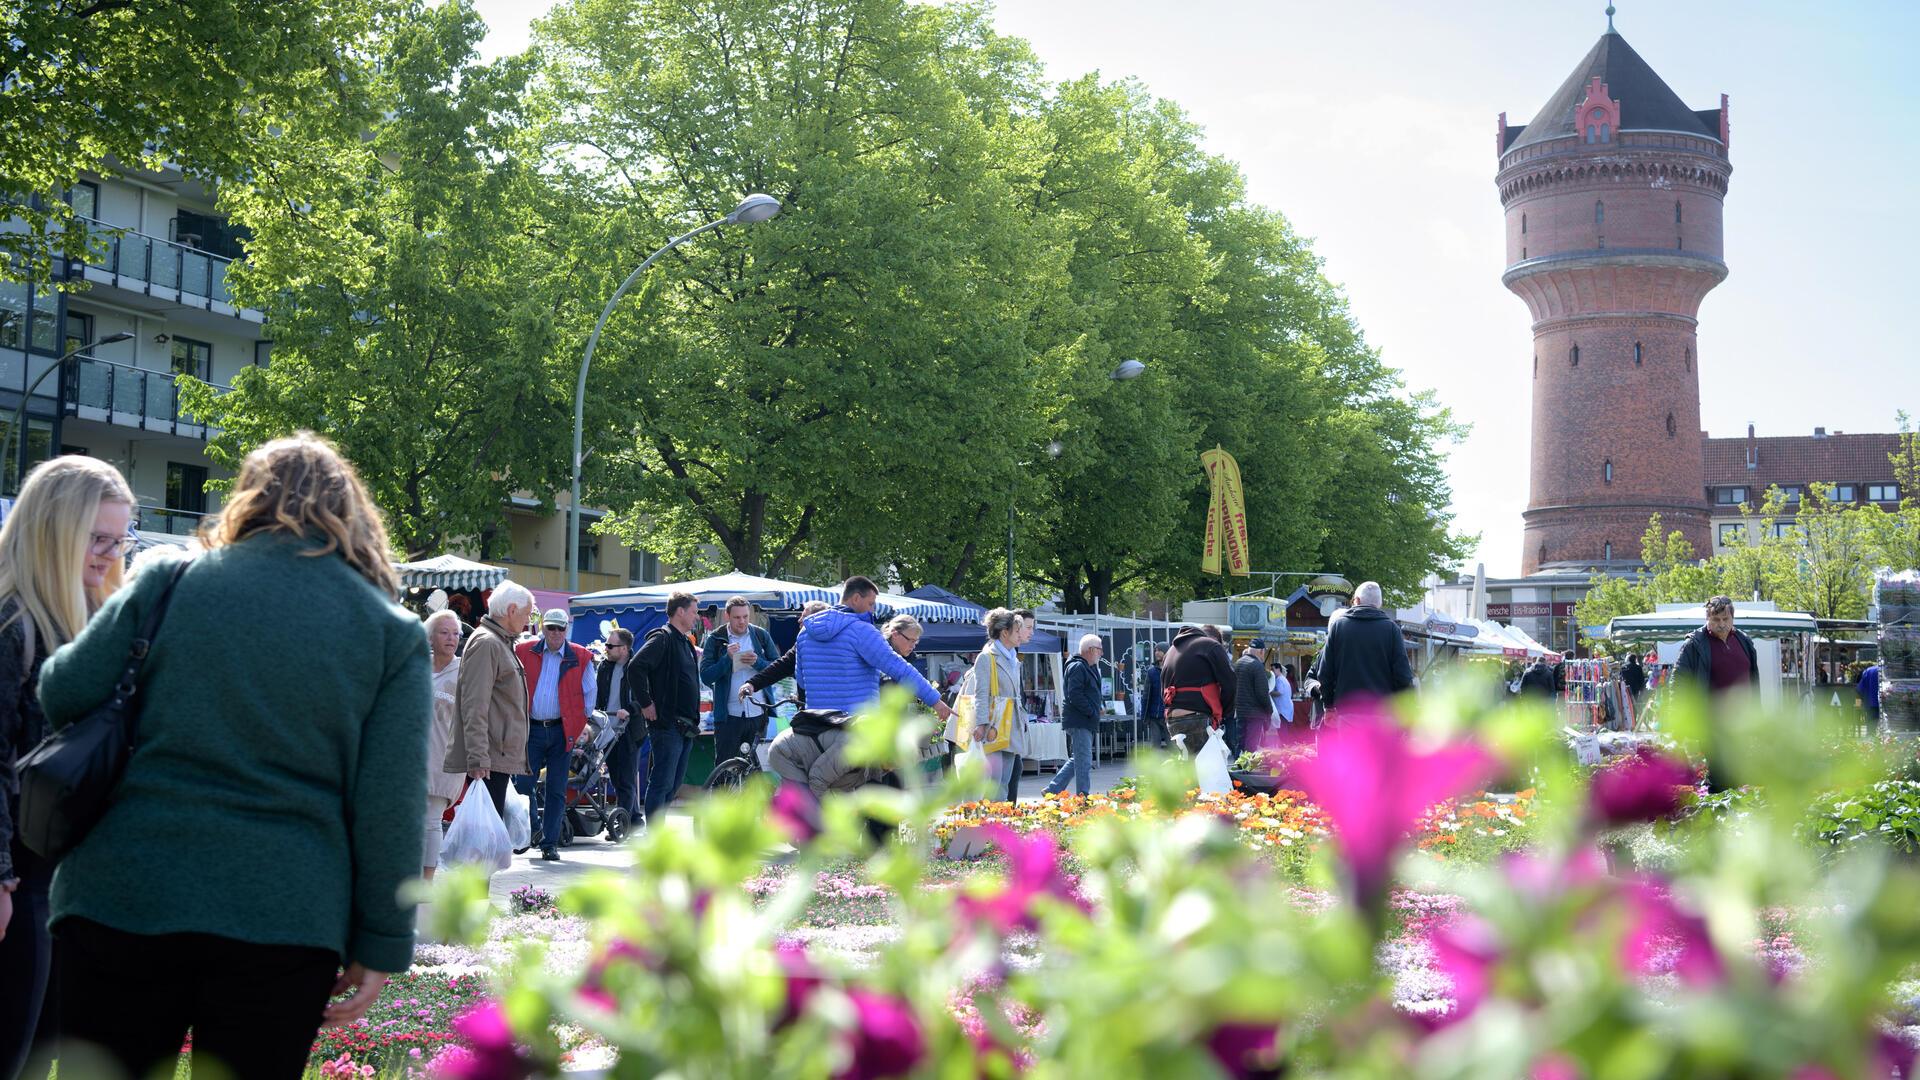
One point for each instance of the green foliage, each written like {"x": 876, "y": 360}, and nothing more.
{"x": 417, "y": 329}
{"x": 209, "y": 87}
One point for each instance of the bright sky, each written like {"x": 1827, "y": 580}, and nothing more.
{"x": 1370, "y": 124}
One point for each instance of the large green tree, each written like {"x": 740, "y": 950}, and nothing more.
{"x": 208, "y": 86}
{"x": 852, "y": 369}
{"x": 417, "y": 328}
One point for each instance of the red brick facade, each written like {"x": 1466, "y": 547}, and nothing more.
{"x": 1613, "y": 243}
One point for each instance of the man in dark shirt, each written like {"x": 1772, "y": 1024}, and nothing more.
{"x": 1252, "y": 722}
{"x": 666, "y": 685}
{"x": 1717, "y": 656}
{"x": 1634, "y": 675}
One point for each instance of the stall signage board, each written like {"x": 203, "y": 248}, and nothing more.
{"x": 1530, "y": 610}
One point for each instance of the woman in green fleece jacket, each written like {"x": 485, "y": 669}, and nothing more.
{"x": 250, "y": 865}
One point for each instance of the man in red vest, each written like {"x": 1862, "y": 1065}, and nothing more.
{"x": 560, "y": 682}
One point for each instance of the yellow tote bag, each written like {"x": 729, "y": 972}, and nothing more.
{"x": 1002, "y": 707}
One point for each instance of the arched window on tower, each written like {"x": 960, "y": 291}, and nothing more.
{"x": 1599, "y": 212}
{"x": 1543, "y": 553}
{"x": 1573, "y": 356}
{"x": 1676, "y": 212}
{"x": 1536, "y": 365}
{"x": 1689, "y": 358}
{"x": 1636, "y": 354}
{"x": 1608, "y": 551}
{"x": 1523, "y": 224}
{"x": 1671, "y": 427}
{"x": 1606, "y": 472}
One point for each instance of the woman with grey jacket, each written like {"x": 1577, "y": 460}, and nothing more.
{"x": 998, "y": 661}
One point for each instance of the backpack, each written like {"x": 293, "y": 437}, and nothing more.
{"x": 814, "y": 723}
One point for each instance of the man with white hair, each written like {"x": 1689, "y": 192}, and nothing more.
{"x": 1365, "y": 654}
{"x": 489, "y": 738}
{"x": 1080, "y": 715}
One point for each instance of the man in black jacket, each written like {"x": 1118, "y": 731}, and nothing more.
{"x": 1365, "y": 653}
{"x": 1538, "y": 680}
{"x": 1198, "y": 679}
{"x": 1252, "y": 722}
{"x": 1717, "y": 658}
{"x": 666, "y": 687}
{"x": 1080, "y": 715}
{"x": 614, "y": 696}
{"x": 1634, "y": 675}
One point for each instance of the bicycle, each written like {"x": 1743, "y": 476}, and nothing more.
{"x": 733, "y": 773}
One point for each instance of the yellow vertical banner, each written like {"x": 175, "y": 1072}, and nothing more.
{"x": 1226, "y": 539}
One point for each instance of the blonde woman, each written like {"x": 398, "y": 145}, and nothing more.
{"x": 999, "y": 662}
{"x": 270, "y": 813}
{"x": 61, "y": 552}
{"x": 443, "y": 641}
{"x": 903, "y": 634}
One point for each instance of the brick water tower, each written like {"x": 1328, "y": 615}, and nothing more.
{"x": 1613, "y": 195}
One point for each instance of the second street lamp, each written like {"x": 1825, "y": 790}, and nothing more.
{"x": 752, "y": 210}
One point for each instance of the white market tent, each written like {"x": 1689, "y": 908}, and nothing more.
{"x": 769, "y": 594}
{"x": 449, "y": 572}
{"x": 1674, "y": 625}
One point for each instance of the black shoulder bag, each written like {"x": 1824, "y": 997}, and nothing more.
{"x": 67, "y": 782}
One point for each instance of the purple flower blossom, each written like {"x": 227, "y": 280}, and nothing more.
{"x": 491, "y": 1054}
{"x": 1374, "y": 786}
{"x": 1033, "y": 869}
{"x": 885, "y": 1040}
{"x": 1661, "y": 932}
{"x": 796, "y": 812}
{"x": 1648, "y": 786}
{"x": 1246, "y": 1051}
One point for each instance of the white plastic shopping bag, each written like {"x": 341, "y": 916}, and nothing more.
{"x": 1210, "y": 766}
{"x": 519, "y": 820}
{"x": 477, "y": 834}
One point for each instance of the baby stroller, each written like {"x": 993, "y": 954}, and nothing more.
{"x": 590, "y": 804}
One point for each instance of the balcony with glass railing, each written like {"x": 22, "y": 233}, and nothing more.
{"x": 130, "y": 397}
{"x": 159, "y": 268}
{"x": 161, "y": 519}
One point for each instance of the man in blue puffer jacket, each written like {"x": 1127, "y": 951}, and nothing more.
{"x": 841, "y": 656}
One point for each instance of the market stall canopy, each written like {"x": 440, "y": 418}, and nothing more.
{"x": 1674, "y": 625}
{"x": 449, "y": 572}
{"x": 768, "y": 594}
{"x": 963, "y": 633}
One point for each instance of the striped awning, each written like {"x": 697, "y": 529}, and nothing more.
{"x": 449, "y": 572}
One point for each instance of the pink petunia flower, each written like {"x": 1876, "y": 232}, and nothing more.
{"x": 1555, "y": 1067}
{"x": 1659, "y": 926}
{"x": 492, "y": 1054}
{"x": 1374, "y": 786}
{"x": 886, "y": 1039}
{"x": 1647, "y": 787}
{"x": 802, "y": 980}
{"x": 796, "y": 812}
{"x": 1033, "y": 871}
{"x": 1246, "y": 1051}
{"x": 1465, "y": 950}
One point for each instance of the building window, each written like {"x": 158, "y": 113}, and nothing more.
{"x": 589, "y": 546}
{"x": 1636, "y": 354}
{"x": 1606, "y": 552}
{"x": 85, "y": 199}
{"x": 643, "y": 568}
{"x": 193, "y": 358}
{"x": 1687, "y": 358}
{"x": 1543, "y": 554}
{"x": 1672, "y": 428}
{"x": 1536, "y": 365}
{"x": 1782, "y": 529}
{"x": 1606, "y": 472}
{"x": 262, "y": 351}
{"x": 1732, "y": 534}
{"x": 1573, "y": 356}
{"x": 186, "y": 487}
{"x": 1676, "y": 212}
{"x": 1845, "y": 493}
{"x": 1883, "y": 492}
{"x": 1729, "y": 496}
{"x": 79, "y": 332}
{"x": 1523, "y": 224}
{"x": 1599, "y": 213}
{"x": 1791, "y": 493}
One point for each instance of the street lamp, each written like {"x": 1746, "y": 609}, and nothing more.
{"x": 752, "y": 210}
{"x": 14, "y": 435}
{"x": 1124, "y": 371}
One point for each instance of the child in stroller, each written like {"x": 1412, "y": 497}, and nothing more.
{"x": 590, "y": 803}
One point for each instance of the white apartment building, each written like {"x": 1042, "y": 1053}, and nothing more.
{"x": 163, "y": 279}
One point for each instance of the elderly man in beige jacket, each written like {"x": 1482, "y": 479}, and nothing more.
{"x": 489, "y": 740}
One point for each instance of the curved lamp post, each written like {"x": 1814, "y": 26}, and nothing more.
{"x": 14, "y": 434}
{"x": 752, "y": 210}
